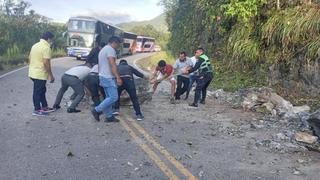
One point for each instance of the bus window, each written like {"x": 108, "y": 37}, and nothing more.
{"x": 126, "y": 45}
{"x": 139, "y": 39}
{"x": 147, "y": 46}
{"x": 81, "y": 26}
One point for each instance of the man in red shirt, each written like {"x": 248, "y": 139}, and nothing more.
{"x": 164, "y": 71}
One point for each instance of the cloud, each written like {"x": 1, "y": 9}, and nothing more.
{"x": 109, "y": 17}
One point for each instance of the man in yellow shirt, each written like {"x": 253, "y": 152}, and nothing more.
{"x": 40, "y": 72}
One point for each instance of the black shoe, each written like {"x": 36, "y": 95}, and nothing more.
{"x": 56, "y": 106}
{"x": 111, "y": 119}
{"x": 193, "y": 105}
{"x": 72, "y": 110}
{"x": 202, "y": 102}
{"x": 186, "y": 97}
{"x": 95, "y": 114}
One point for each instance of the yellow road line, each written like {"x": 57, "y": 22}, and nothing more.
{"x": 149, "y": 152}
{"x": 162, "y": 150}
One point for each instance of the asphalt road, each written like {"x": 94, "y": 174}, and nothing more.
{"x": 173, "y": 142}
{"x": 38, "y": 147}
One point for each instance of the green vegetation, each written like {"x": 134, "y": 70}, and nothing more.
{"x": 246, "y": 35}
{"x": 151, "y": 62}
{"x": 231, "y": 80}
{"x": 159, "y": 23}
{"x": 20, "y": 29}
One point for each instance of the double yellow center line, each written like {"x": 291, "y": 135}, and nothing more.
{"x": 164, "y": 168}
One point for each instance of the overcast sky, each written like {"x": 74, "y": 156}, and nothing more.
{"x": 111, "y": 11}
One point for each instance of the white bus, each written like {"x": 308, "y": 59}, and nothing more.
{"x": 145, "y": 44}
{"x": 86, "y": 32}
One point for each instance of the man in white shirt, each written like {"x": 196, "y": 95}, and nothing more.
{"x": 93, "y": 84}
{"x": 109, "y": 79}
{"x": 193, "y": 76}
{"x": 73, "y": 78}
{"x": 182, "y": 79}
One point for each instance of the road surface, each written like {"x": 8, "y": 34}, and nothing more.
{"x": 173, "y": 142}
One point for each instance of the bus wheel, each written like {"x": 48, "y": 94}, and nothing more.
{"x": 78, "y": 58}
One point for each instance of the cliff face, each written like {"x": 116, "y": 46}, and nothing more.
{"x": 300, "y": 75}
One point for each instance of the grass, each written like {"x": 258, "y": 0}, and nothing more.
{"x": 12, "y": 62}
{"x": 235, "y": 79}
{"x": 58, "y": 53}
{"x": 16, "y": 60}
{"x": 151, "y": 62}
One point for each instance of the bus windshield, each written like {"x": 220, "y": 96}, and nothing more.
{"x": 81, "y": 26}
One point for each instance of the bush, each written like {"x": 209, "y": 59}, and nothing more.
{"x": 235, "y": 79}
{"x": 12, "y": 62}
{"x": 58, "y": 53}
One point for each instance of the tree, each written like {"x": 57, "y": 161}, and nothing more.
{"x": 146, "y": 30}
{"x": 243, "y": 10}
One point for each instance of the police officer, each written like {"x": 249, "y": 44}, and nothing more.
{"x": 204, "y": 78}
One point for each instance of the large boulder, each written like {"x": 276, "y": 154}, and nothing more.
{"x": 143, "y": 93}
{"x": 255, "y": 98}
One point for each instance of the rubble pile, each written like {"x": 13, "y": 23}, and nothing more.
{"x": 297, "y": 128}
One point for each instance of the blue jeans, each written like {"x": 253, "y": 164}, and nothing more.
{"x": 110, "y": 88}
{"x": 192, "y": 79}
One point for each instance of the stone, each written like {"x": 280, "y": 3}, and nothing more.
{"x": 296, "y": 172}
{"x": 70, "y": 154}
{"x": 281, "y": 136}
{"x": 201, "y": 173}
{"x": 298, "y": 109}
{"x": 249, "y": 102}
{"x": 305, "y": 137}
{"x": 281, "y": 104}
{"x": 269, "y": 106}
{"x": 301, "y": 161}
{"x": 314, "y": 122}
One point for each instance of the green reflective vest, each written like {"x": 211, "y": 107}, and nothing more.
{"x": 206, "y": 65}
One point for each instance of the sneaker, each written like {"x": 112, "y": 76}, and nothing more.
{"x": 56, "y": 107}
{"x": 95, "y": 114}
{"x": 193, "y": 105}
{"x": 72, "y": 110}
{"x": 140, "y": 117}
{"x": 202, "y": 102}
{"x": 111, "y": 119}
{"x": 150, "y": 90}
{"x": 39, "y": 113}
{"x": 69, "y": 103}
{"x": 172, "y": 101}
{"x": 47, "y": 109}
{"x": 116, "y": 112}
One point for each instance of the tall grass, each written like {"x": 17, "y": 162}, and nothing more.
{"x": 292, "y": 31}
{"x": 242, "y": 47}
{"x": 14, "y": 58}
